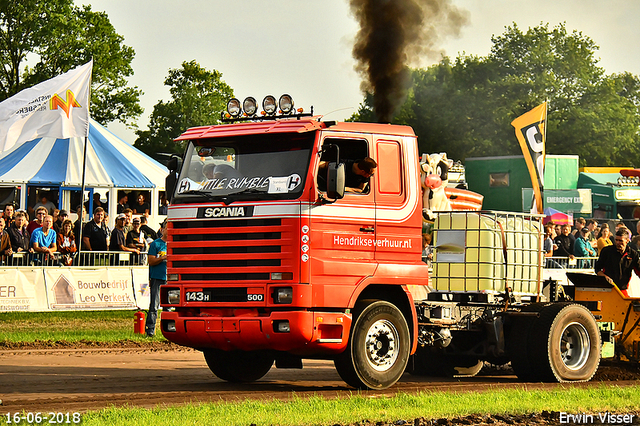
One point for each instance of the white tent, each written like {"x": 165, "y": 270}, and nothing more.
{"x": 112, "y": 164}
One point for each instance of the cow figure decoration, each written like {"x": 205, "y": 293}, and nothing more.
{"x": 434, "y": 176}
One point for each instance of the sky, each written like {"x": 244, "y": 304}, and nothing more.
{"x": 303, "y": 47}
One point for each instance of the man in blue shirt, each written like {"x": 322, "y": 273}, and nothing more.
{"x": 43, "y": 240}
{"x": 157, "y": 255}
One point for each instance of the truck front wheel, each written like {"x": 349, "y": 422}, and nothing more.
{"x": 378, "y": 349}
{"x": 238, "y": 366}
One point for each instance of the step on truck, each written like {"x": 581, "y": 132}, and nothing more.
{"x": 272, "y": 260}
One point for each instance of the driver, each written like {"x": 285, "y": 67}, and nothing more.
{"x": 207, "y": 170}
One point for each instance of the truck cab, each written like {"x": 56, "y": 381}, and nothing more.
{"x": 267, "y": 263}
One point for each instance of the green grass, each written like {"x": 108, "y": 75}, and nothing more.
{"x": 358, "y": 408}
{"x": 94, "y": 326}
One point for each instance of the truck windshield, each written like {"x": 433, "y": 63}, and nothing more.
{"x": 245, "y": 168}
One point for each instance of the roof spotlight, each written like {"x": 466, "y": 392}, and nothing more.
{"x": 286, "y": 104}
{"x": 269, "y": 105}
{"x": 250, "y": 106}
{"x": 233, "y": 107}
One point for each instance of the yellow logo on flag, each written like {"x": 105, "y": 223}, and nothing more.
{"x": 531, "y": 134}
{"x": 57, "y": 102}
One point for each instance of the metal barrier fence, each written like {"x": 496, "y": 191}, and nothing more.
{"x": 567, "y": 263}
{"x": 85, "y": 258}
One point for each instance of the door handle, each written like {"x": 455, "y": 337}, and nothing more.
{"x": 367, "y": 229}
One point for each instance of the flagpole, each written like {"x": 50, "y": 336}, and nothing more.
{"x": 84, "y": 170}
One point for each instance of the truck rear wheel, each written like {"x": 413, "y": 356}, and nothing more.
{"x": 238, "y": 366}
{"x": 378, "y": 349}
{"x": 565, "y": 343}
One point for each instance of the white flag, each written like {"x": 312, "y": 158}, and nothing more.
{"x": 57, "y": 108}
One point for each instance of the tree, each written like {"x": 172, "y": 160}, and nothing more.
{"x": 465, "y": 106}
{"x": 198, "y": 98}
{"x": 55, "y": 36}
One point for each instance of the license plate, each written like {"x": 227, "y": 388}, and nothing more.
{"x": 197, "y": 296}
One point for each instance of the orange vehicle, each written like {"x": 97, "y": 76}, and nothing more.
{"x": 270, "y": 259}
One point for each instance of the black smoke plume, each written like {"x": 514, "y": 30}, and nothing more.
{"x": 393, "y": 35}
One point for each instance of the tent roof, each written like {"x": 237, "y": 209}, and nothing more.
{"x": 111, "y": 162}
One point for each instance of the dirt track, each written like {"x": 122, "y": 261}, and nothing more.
{"x": 85, "y": 379}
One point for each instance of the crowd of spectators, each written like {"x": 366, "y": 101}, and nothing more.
{"x": 52, "y": 237}
{"x": 585, "y": 241}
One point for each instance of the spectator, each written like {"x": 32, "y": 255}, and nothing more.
{"x": 122, "y": 203}
{"x": 550, "y": 246}
{"x": 18, "y": 234}
{"x": 128, "y": 213}
{"x": 95, "y": 232}
{"x": 43, "y": 239}
{"x": 67, "y": 243}
{"x": 604, "y": 239}
{"x": 565, "y": 243}
{"x": 41, "y": 212}
{"x": 164, "y": 205}
{"x": 619, "y": 225}
{"x": 96, "y": 203}
{"x": 157, "y": 277}
{"x": 5, "y": 242}
{"x": 592, "y": 226}
{"x": 8, "y": 214}
{"x": 142, "y": 207}
{"x": 580, "y": 223}
{"x": 80, "y": 211}
{"x": 583, "y": 248}
{"x": 616, "y": 262}
{"x": 46, "y": 203}
{"x": 118, "y": 241}
{"x": 57, "y": 224}
{"x": 135, "y": 238}
{"x": 149, "y": 234}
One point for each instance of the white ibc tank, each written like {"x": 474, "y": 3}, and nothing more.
{"x": 470, "y": 252}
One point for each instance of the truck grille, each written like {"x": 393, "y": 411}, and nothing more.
{"x": 232, "y": 249}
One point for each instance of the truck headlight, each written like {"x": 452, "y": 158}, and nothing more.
{"x": 173, "y": 297}
{"x": 283, "y": 295}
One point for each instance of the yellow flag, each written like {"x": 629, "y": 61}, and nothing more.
{"x": 531, "y": 134}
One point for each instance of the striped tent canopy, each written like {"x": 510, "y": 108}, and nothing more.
{"x": 111, "y": 162}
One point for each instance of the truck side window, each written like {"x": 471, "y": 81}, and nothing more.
{"x": 351, "y": 151}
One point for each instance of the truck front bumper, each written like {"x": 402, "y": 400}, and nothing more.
{"x": 297, "y": 332}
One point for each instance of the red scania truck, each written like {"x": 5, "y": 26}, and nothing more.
{"x": 270, "y": 260}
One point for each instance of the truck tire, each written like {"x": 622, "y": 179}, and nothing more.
{"x": 517, "y": 345}
{"x": 565, "y": 344}
{"x": 238, "y": 366}
{"x": 378, "y": 348}
{"x": 432, "y": 362}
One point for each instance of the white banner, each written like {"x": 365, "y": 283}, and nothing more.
{"x": 57, "y": 108}
{"x": 22, "y": 290}
{"x": 105, "y": 288}
{"x": 141, "y": 286}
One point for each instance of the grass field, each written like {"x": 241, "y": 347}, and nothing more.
{"x": 367, "y": 409}
{"x": 98, "y": 326}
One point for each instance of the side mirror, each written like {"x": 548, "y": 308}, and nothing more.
{"x": 335, "y": 180}
{"x": 171, "y": 181}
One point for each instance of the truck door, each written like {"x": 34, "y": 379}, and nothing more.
{"x": 398, "y": 221}
{"x": 342, "y": 234}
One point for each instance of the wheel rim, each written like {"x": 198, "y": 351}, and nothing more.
{"x": 575, "y": 346}
{"x": 381, "y": 345}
